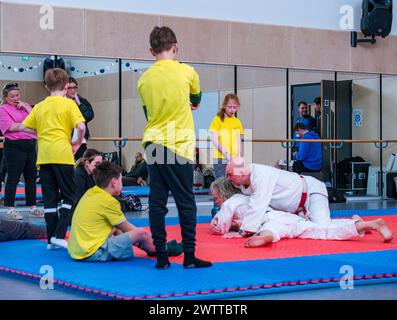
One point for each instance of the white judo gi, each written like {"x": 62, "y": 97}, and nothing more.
{"x": 282, "y": 191}
{"x": 283, "y": 224}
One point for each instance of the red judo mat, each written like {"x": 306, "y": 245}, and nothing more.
{"x": 216, "y": 249}
{"x": 21, "y": 190}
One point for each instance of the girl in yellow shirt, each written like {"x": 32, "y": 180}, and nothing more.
{"x": 226, "y": 134}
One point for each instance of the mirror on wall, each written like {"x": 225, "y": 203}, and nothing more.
{"x": 266, "y": 111}
{"x": 215, "y": 82}
{"x": 389, "y": 132}
{"x": 359, "y": 109}
{"x": 263, "y": 95}
{"x": 98, "y": 83}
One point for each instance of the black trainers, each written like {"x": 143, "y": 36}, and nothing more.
{"x": 162, "y": 261}
{"x": 191, "y": 262}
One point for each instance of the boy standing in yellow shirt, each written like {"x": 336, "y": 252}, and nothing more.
{"x": 169, "y": 91}
{"x": 54, "y": 120}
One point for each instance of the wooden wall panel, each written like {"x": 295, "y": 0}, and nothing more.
{"x": 21, "y": 31}
{"x": 261, "y": 45}
{"x": 200, "y": 40}
{"x": 320, "y": 49}
{"x": 94, "y": 33}
{"x": 118, "y": 34}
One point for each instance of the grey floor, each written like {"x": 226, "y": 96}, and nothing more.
{"x": 12, "y": 288}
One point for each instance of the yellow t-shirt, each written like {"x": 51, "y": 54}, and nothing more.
{"x": 229, "y": 131}
{"x": 165, "y": 90}
{"x": 54, "y": 120}
{"x": 93, "y": 220}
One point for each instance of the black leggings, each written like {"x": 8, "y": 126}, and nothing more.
{"x": 20, "y": 157}
{"x": 3, "y": 167}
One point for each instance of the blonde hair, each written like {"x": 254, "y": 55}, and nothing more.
{"x": 228, "y": 97}
{"x": 7, "y": 89}
{"x": 224, "y": 188}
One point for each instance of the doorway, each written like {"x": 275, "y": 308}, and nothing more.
{"x": 335, "y": 119}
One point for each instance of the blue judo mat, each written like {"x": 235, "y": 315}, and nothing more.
{"x": 138, "y": 279}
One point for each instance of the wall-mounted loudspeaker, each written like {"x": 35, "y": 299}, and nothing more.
{"x": 377, "y": 18}
{"x": 376, "y": 21}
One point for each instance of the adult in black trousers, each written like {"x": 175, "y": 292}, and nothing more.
{"x": 3, "y": 166}
{"x": 19, "y": 152}
{"x": 85, "y": 109}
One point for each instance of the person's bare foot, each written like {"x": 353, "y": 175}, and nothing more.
{"x": 384, "y": 230}
{"x": 257, "y": 241}
{"x": 356, "y": 217}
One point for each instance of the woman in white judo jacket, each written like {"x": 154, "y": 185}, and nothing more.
{"x": 276, "y": 225}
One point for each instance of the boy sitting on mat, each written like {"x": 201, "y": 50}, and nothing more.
{"x": 100, "y": 231}
{"x": 277, "y": 225}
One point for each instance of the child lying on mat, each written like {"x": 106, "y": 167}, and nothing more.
{"x": 277, "y": 225}
{"x": 100, "y": 231}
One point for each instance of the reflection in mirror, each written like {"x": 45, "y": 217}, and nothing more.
{"x": 389, "y": 116}
{"x": 216, "y": 82}
{"x": 133, "y": 118}
{"x": 27, "y": 71}
{"x": 98, "y": 83}
{"x": 307, "y": 88}
{"x": 358, "y": 105}
{"x": 263, "y": 112}
{"x": 262, "y": 92}
{"x": 389, "y": 132}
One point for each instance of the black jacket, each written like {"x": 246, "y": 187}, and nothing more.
{"x": 83, "y": 181}
{"x": 87, "y": 112}
{"x": 139, "y": 170}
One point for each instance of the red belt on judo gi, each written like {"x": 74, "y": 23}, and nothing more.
{"x": 301, "y": 207}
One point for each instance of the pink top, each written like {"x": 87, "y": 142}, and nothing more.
{"x": 9, "y": 115}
